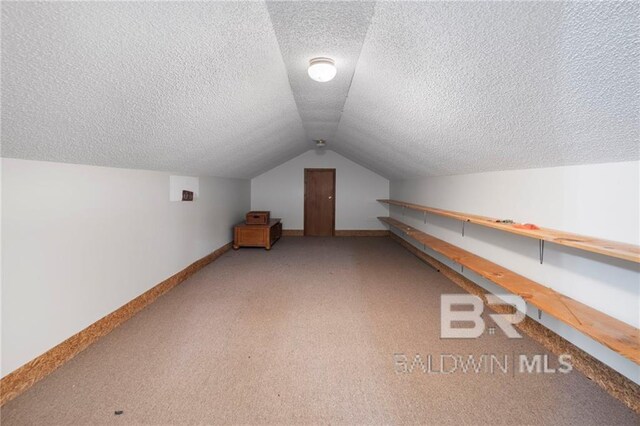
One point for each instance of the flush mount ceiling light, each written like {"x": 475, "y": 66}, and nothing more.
{"x": 322, "y": 69}
{"x": 320, "y": 143}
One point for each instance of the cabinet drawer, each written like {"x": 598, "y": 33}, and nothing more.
{"x": 252, "y": 236}
{"x": 246, "y": 235}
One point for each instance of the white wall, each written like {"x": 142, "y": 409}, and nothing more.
{"x": 79, "y": 241}
{"x": 281, "y": 190}
{"x": 600, "y": 200}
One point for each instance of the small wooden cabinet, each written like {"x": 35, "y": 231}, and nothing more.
{"x": 249, "y": 235}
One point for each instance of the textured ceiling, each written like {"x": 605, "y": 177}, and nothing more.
{"x": 307, "y": 30}
{"x": 423, "y": 88}
{"x": 459, "y": 87}
{"x": 194, "y": 88}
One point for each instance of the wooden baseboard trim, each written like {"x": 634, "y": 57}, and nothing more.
{"x": 37, "y": 369}
{"x": 362, "y": 233}
{"x": 342, "y": 233}
{"x": 607, "y": 378}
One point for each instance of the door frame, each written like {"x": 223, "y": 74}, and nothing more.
{"x": 333, "y": 199}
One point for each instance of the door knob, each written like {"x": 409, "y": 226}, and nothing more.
{"x": 330, "y": 197}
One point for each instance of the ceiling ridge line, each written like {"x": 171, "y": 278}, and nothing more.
{"x": 343, "y": 31}
{"x": 284, "y": 64}
{"x": 355, "y": 68}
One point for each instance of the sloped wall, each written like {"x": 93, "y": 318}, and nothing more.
{"x": 601, "y": 200}
{"x": 281, "y": 190}
{"x": 79, "y": 241}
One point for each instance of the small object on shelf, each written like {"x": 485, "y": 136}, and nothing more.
{"x": 617, "y": 335}
{"x": 258, "y": 217}
{"x": 257, "y": 235}
{"x": 630, "y": 252}
{"x": 529, "y": 226}
{"x": 187, "y": 195}
{"x": 504, "y": 221}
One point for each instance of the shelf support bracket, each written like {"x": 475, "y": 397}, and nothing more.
{"x": 463, "y": 228}
{"x": 539, "y": 314}
{"x": 541, "y": 247}
{"x": 425, "y": 218}
{"x": 461, "y": 268}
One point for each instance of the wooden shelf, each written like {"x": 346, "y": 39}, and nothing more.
{"x": 615, "y": 249}
{"x": 612, "y": 333}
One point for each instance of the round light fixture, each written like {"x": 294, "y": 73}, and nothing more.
{"x": 322, "y": 69}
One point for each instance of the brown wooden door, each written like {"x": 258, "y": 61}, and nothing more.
{"x": 319, "y": 202}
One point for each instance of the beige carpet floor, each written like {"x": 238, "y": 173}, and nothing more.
{"x": 305, "y": 333}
